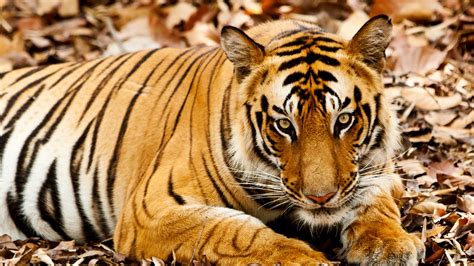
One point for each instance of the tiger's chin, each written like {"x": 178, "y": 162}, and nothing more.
{"x": 323, "y": 217}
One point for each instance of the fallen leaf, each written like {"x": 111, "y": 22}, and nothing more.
{"x": 463, "y": 122}
{"x": 420, "y": 10}
{"x": 427, "y": 208}
{"x": 68, "y": 8}
{"x": 465, "y": 203}
{"x": 463, "y": 135}
{"x": 6, "y": 242}
{"x": 349, "y": 27}
{"x": 440, "y": 118}
{"x": 412, "y": 167}
{"x": 425, "y": 99}
{"x": 407, "y": 58}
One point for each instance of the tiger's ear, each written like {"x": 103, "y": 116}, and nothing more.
{"x": 241, "y": 50}
{"x": 370, "y": 42}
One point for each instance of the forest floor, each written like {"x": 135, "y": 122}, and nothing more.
{"x": 429, "y": 78}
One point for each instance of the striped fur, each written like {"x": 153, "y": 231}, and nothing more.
{"x": 192, "y": 151}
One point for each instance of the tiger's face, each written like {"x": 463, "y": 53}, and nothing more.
{"x": 314, "y": 119}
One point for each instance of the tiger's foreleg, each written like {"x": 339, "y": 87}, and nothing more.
{"x": 375, "y": 236}
{"x": 223, "y": 235}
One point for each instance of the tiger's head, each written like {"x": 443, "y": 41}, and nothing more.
{"x": 313, "y": 128}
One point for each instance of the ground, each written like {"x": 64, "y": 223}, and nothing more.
{"x": 429, "y": 78}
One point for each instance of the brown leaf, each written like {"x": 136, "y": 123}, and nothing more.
{"x": 420, "y": 59}
{"x": 425, "y": 99}
{"x": 349, "y": 27}
{"x": 420, "y": 10}
{"x": 469, "y": 247}
{"x": 68, "y": 8}
{"x": 440, "y": 118}
{"x": 6, "y": 242}
{"x": 428, "y": 208}
{"x": 463, "y": 135}
{"x": 30, "y": 24}
{"x": 465, "y": 203}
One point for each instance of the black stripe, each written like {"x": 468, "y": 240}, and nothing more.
{"x": 24, "y": 107}
{"x": 55, "y": 220}
{"x": 293, "y": 77}
{"x": 3, "y": 142}
{"x": 77, "y": 156}
{"x": 328, "y": 49}
{"x": 289, "y": 52}
{"x": 11, "y": 101}
{"x": 214, "y": 184}
{"x": 98, "y": 202}
{"x": 290, "y": 64}
{"x": 367, "y": 112}
{"x": 278, "y": 110}
{"x": 346, "y": 102}
{"x": 359, "y": 133}
{"x": 313, "y": 57}
{"x": 259, "y": 117}
{"x": 171, "y": 192}
{"x": 357, "y": 94}
{"x": 309, "y": 59}
{"x": 254, "y": 138}
{"x": 298, "y": 42}
{"x": 20, "y": 220}
{"x": 326, "y": 76}
{"x": 27, "y": 74}
{"x": 264, "y": 103}
{"x": 325, "y": 39}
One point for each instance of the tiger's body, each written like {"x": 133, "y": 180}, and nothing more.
{"x": 170, "y": 150}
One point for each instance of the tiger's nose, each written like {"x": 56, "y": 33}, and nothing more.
{"x": 321, "y": 199}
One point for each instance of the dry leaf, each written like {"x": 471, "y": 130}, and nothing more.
{"x": 179, "y": 13}
{"x": 46, "y": 6}
{"x": 425, "y": 99}
{"x": 466, "y": 203}
{"x": 463, "y": 135}
{"x": 349, "y": 27}
{"x": 68, "y": 8}
{"x": 420, "y": 10}
{"x": 440, "y": 118}
{"x": 412, "y": 167}
{"x": 410, "y": 56}
{"x": 464, "y": 121}
{"x": 428, "y": 208}
{"x": 202, "y": 33}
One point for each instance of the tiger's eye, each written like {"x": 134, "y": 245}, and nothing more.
{"x": 284, "y": 124}
{"x": 344, "y": 118}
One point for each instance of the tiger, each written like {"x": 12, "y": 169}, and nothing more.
{"x": 191, "y": 152}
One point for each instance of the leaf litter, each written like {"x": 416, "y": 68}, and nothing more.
{"x": 429, "y": 77}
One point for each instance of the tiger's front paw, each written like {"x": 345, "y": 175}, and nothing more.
{"x": 386, "y": 248}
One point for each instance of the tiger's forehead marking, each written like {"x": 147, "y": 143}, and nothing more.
{"x": 310, "y": 59}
